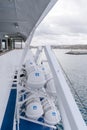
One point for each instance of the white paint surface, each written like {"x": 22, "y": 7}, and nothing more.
{"x": 8, "y": 64}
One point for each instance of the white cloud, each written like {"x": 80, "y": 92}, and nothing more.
{"x": 66, "y": 19}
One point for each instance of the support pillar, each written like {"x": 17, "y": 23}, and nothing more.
{"x": 12, "y": 44}
{"x": 6, "y": 44}
{"x": 0, "y": 44}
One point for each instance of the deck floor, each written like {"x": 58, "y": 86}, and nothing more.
{"x": 8, "y": 64}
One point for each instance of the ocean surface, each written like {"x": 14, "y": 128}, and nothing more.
{"x": 75, "y": 71}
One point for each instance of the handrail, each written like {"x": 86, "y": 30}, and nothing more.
{"x": 71, "y": 116}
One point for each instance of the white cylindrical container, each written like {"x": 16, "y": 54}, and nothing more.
{"x": 34, "y": 110}
{"x": 29, "y": 66}
{"x": 33, "y": 106}
{"x": 36, "y": 79}
{"x": 50, "y": 87}
{"x": 51, "y": 114}
{"x": 52, "y": 117}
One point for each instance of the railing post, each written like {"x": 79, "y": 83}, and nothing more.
{"x": 39, "y": 50}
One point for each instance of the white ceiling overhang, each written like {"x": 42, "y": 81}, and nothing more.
{"x": 19, "y": 17}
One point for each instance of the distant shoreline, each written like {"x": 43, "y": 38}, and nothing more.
{"x": 65, "y": 46}
{"x": 69, "y": 47}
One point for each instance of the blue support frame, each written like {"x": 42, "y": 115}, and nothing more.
{"x": 8, "y": 119}
{"x": 28, "y": 125}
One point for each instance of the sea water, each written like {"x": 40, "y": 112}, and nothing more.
{"x": 75, "y": 70}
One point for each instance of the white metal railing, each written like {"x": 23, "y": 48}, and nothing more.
{"x": 71, "y": 116}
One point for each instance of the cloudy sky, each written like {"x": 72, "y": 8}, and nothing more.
{"x": 65, "y": 24}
